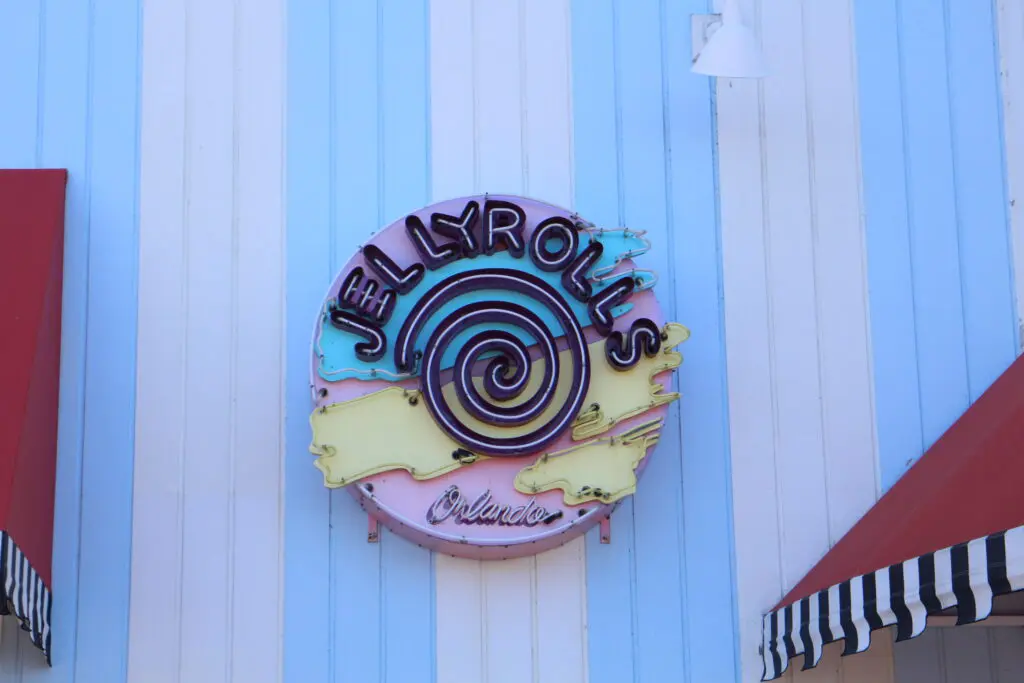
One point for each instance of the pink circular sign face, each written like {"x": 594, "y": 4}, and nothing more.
{"x": 490, "y": 375}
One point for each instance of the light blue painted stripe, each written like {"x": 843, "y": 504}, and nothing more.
{"x": 934, "y": 249}
{"x": 986, "y": 254}
{"x": 661, "y": 603}
{"x": 611, "y": 569}
{"x": 307, "y": 623}
{"x": 110, "y": 380}
{"x": 942, "y": 316}
{"x": 358, "y": 142}
{"x": 710, "y": 604}
{"x": 109, "y": 443}
{"x": 71, "y": 90}
{"x": 407, "y": 582}
{"x": 358, "y": 631}
{"x": 886, "y": 207}
{"x": 20, "y": 50}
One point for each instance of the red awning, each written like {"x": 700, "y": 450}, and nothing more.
{"x": 31, "y": 267}
{"x": 949, "y": 533}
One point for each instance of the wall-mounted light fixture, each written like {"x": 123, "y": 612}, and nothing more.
{"x": 724, "y": 46}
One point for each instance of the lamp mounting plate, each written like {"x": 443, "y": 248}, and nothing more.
{"x": 701, "y": 28}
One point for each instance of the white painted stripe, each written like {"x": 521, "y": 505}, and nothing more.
{"x": 835, "y": 623}
{"x": 38, "y": 614}
{"x": 1015, "y": 558}
{"x": 37, "y": 609}
{"x": 15, "y": 583}
{"x": 1011, "y": 48}
{"x": 501, "y": 121}
{"x": 206, "y": 546}
{"x": 46, "y": 618}
{"x": 796, "y": 320}
{"x": 9, "y": 564}
{"x": 766, "y": 643}
{"x": 912, "y": 596}
{"x": 30, "y": 584}
{"x": 21, "y": 586}
{"x": 977, "y": 564}
{"x": 815, "y": 629}
{"x": 944, "y": 578}
{"x": 780, "y": 645}
{"x": 883, "y": 597}
{"x": 860, "y": 624}
{"x": 794, "y": 629}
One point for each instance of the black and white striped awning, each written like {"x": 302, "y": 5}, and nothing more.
{"x": 25, "y": 595}
{"x": 965, "y": 576}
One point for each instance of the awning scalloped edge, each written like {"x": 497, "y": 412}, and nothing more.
{"x": 26, "y": 596}
{"x": 966, "y": 576}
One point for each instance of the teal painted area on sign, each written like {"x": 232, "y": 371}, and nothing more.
{"x": 661, "y": 596}
{"x": 358, "y": 158}
{"x": 943, "y": 321}
{"x": 69, "y": 78}
{"x": 337, "y": 347}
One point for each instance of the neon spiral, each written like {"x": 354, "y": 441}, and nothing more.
{"x": 508, "y": 372}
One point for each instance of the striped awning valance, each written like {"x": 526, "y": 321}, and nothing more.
{"x": 949, "y": 533}
{"x": 966, "y": 576}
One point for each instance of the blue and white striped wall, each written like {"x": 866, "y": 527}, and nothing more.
{"x": 392, "y": 109}
{"x": 841, "y": 239}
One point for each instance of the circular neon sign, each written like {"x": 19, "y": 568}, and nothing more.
{"x": 489, "y": 375}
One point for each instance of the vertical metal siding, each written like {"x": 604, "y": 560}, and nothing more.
{"x": 1010, "y": 18}
{"x": 501, "y": 121}
{"x": 206, "y": 581}
{"x": 357, "y": 132}
{"x": 796, "y": 313}
{"x": 661, "y": 595}
{"x": 939, "y": 263}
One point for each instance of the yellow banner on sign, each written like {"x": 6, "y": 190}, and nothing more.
{"x": 392, "y": 429}
{"x": 603, "y": 469}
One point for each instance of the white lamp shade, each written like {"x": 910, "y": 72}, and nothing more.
{"x": 731, "y": 52}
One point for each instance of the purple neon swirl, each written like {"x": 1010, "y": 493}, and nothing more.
{"x": 498, "y": 313}
{"x": 507, "y": 374}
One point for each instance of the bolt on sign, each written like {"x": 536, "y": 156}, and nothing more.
{"x": 489, "y": 375}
